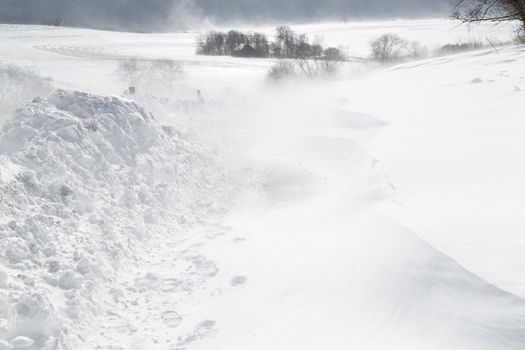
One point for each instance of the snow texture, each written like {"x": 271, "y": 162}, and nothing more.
{"x": 376, "y": 213}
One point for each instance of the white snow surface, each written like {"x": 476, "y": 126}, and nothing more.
{"x": 377, "y": 211}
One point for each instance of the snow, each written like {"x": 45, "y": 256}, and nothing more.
{"x": 377, "y": 210}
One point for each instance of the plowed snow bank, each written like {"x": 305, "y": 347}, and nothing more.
{"x": 84, "y": 180}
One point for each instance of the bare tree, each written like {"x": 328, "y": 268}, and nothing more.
{"x": 166, "y": 72}
{"x": 497, "y": 11}
{"x": 285, "y": 42}
{"x": 388, "y": 48}
{"x": 132, "y": 71}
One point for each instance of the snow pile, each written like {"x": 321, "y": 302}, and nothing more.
{"x": 83, "y": 181}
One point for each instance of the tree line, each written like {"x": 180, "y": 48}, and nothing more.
{"x": 287, "y": 45}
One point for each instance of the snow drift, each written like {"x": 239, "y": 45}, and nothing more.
{"x": 84, "y": 180}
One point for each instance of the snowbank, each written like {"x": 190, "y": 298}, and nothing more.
{"x": 84, "y": 180}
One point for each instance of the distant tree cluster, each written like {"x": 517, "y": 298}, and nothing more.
{"x": 234, "y": 43}
{"x": 298, "y": 56}
{"x": 287, "y": 45}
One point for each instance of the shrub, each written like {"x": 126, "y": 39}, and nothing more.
{"x": 306, "y": 67}
{"x": 460, "y": 47}
{"x": 282, "y": 69}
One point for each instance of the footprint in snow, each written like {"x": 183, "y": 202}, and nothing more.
{"x": 201, "y": 331}
{"x": 215, "y": 234}
{"x": 171, "y": 319}
{"x": 202, "y": 265}
{"x": 238, "y": 281}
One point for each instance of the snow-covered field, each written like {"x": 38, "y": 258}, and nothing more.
{"x": 382, "y": 209}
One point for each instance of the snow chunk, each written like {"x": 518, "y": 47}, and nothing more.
{"x": 22, "y": 342}
{"x": 68, "y": 281}
{"x": 33, "y": 317}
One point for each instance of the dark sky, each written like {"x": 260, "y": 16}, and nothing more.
{"x": 147, "y": 15}
{"x": 321, "y": 8}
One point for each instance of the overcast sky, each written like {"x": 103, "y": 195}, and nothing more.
{"x": 170, "y": 14}
{"x": 316, "y": 8}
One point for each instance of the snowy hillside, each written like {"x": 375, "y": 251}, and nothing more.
{"x": 382, "y": 209}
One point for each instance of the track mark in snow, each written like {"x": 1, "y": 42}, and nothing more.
{"x": 201, "y": 331}
{"x": 506, "y": 61}
{"x": 151, "y": 309}
{"x": 146, "y": 312}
